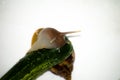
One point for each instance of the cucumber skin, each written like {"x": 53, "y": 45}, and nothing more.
{"x": 37, "y": 62}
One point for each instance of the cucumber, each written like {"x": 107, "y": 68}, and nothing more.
{"x": 37, "y": 62}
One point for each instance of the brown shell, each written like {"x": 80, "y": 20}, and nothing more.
{"x": 63, "y": 69}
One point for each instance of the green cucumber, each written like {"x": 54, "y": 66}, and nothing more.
{"x": 37, "y": 62}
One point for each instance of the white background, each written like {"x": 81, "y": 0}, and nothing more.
{"x": 97, "y": 47}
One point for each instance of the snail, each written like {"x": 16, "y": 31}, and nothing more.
{"x": 51, "y": 38}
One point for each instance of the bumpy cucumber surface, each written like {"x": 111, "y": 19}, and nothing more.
{"x": 37, "y": 62}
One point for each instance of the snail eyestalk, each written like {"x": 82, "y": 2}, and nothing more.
{"x": 53, "y": 40}
{"x": 70, "y": 32}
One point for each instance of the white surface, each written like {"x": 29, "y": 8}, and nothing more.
{"x": 97, "y": 48}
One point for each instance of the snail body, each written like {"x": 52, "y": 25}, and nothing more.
{"x": 48, "y": 38}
